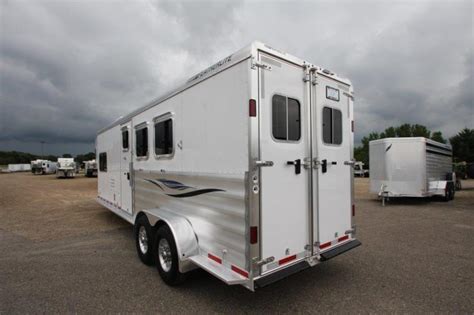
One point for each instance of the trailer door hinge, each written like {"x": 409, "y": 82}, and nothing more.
{"x": 259, "y": 64}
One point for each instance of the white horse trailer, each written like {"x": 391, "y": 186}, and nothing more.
{"x": 245, "y": 170}
{"x": 66, "y": 168}
{"x": 411, "y": 167}
{"x": 43, "y": 167}
{"x": 90, "y": 168}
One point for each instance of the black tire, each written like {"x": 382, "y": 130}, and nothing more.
{"x": 449, "y": 192}
{"x": 144, "y": 251}
{"x": 172, "y": 276}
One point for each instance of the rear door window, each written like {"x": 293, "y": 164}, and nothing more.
{"x": 332, "y": 126}
{"x": 286, "y": 118}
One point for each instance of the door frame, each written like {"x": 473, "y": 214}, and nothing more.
{"x": 306, "y": 133}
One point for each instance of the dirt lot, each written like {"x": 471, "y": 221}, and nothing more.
{"x": 62, "y": 252}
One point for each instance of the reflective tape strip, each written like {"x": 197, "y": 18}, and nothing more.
{"x": 215, "y": 258}
{"x": 239, "y": 271}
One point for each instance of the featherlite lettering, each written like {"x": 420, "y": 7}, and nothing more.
{"x": 211, "y": 68}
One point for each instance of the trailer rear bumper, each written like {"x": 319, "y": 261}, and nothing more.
{"x": 339, "y": 250}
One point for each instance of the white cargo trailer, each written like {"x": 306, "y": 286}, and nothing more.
{"x": 66, "y": 168}
{"x": 43, "y": 167}
{"x": 245, "y": 170}
{"x": 411, "y": 167}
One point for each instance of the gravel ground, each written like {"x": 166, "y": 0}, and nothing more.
{"x": 62, "y": 252}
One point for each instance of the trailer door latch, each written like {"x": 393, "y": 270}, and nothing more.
{"x": 265, "y": 261}
{"x": 263, "y": 163}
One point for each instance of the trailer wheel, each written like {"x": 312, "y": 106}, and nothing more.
{"x": 144, "y": 240}
{"x": 166, "y": 257}
{"x": 449, "y": 192}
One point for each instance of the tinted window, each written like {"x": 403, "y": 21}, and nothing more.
{"x": 332, "y": 126}
{"x": 279, "y": 117}
{"x": 337, "y": 126}
{"x": 164, "y": 137}
{"x": 286, "y": 118}
{"x": 103, "y": 162}
{"x": 294, "y": 121}
{"x": 141, "y": 136}
{"x": 125, "y": 139}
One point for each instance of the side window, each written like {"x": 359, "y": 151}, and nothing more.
{"x": 103, "y": 162}
{"x": 332, "y": 126}
{"x": 141, "y": 141}
{"x": 164, "y": 137}
{"x": 125, "y": 141}
{"x": 286, "y": 118}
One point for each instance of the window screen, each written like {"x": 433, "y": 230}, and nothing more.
{"x": 286, "y": 118}
{"x": 332, "y": 125}
{"x": 103, "y": 162}
{"x": 164, "y": 137}
{"x": 125, "y": 139}
{"x": 141, "y": 136}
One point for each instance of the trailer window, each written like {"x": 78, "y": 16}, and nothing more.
{"x": 125, "y": 139}
{"x": 141, "y": 136}
{"x": 332, "y": 126}
{"x": 103, "y": 162}
{"x": 286, "y": 118}
{"x": 164, "y": 137}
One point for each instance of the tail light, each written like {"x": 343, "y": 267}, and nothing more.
{"x": 252, "y": 108}
{"x": 353, "y": 210}
{"x": 253, "y": 235}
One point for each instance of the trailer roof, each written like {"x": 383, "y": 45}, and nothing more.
{"x": 244, "y": 53}
{"x": 412, "y": 139}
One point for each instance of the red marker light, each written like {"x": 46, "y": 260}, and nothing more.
{"x": 252, "y": 108}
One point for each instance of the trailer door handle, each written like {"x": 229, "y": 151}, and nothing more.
{"x": 297, "y": 164}
{"x": 324, "y": 166}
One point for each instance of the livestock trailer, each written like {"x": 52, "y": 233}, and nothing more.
{"x": 90, "y": 168}
{"x": 411, "y": 167}
{"x": 66, "y": 168}
{"x": 43, "y": 167}
{"x": 244, "y": 170}
{"x": 19, "y": 167}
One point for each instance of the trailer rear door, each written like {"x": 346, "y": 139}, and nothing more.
{"x": 333, "y": 139}
{"x": 284, "y": 140}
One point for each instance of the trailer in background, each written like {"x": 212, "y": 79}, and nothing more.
{"x": 90, "y": 168}
{"x": 66, "y": 168}
{"x": 43, "y": 167}
{"x": 19, "y": 167}
{"x": 411, "y": 167}
{"x": 359, "y": 170}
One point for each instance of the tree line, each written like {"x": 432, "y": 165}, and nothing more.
{"x": 15, "y": 157}
{"x": 462, "y": 143}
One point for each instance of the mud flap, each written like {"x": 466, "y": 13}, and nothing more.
{"x": 339, "y": 250}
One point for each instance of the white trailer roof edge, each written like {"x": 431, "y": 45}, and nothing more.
{"x": 411, "y": 139}
{"x": 249, "y": 51}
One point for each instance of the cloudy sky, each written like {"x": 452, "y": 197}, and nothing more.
{"x": 68, "y": 68}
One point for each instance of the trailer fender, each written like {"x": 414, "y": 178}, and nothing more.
{"x": 183, "y": 233}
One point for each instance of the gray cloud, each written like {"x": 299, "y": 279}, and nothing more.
{"x": 69, "y": 68}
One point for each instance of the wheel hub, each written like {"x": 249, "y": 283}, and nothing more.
{"x": 164, "y": 254}
{"x": 143, "y": 240}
